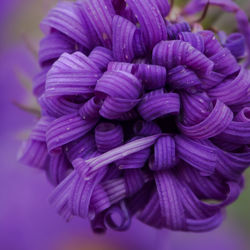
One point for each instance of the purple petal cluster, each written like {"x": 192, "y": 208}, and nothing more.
{"x": 140, "y": 116}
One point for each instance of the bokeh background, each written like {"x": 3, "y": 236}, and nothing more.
{"x": 27, "y": 222}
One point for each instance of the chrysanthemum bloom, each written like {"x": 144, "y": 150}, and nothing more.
{"x": 142, "y": 115}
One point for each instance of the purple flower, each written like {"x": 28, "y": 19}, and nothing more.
{"x": 140, "y": 116}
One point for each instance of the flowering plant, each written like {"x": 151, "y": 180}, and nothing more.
{"x": 142, "y": 113}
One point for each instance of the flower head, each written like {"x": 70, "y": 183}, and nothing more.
{"x": 142, "y": 115}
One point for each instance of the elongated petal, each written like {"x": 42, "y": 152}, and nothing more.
{"x": 150, "y": 214}
{"x": 170, "y": 203}
{"x": 117, "y": 153}
{"x": 81, "y": 193}
{"x": 136, "y": 160}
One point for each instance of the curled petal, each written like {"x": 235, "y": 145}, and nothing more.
{"x": 202, "y": 157}
{"x": 232, "y": 91}
{"x": 164, "y": 7}
{"x": 60, "y": 196}
{"x": 53, "y": 45}
{"x": 33, "y": 153}
{"x": 119, "y": 84}
{"x": 114, "y": 108}
{"x": 97, "y": 224}
{"x": 71, "y": 83}
{"x": 66, "y": 18}
{"x": 212, "y": 45}
{"x": 211, "y": 80}
{"x": 38, "y": 133}
{"x": 90, "y": 109}
{"x": 206, "y": 224}
{"x": 236, "y": 44}
{"x": 123, "y": 35}
{"x": 174, "y": 30}
{"x": 205, "y": 187}
{"x": 139, "y": 44}
{"x": 108, "y": 136}
{"x": 232, "y": 165}
{"x": 164, "y": 153}
{"x": 101, "y": 57}
{"x": 243, "y": 115}
{"x": 121, "y": 66}
{"x": 215, "y": 123}
{"x": 56, "y": 106}
{"x": 152, "y": 76}
{"x": 152, "y": 107}
{"x": 135, "y": 180}
{"x": 108, "y": 193}
{"x": 143, "y": 128}
{"x": 76, "y": 61}
{"x": 39, "y": 82}
{"x": 236, "y": 132}
{"x": 99, "y": 14}
{"x": 66, "y": 129}
{"x": 224, "y": 62}
{"x": 123, "y": 213}
{"x": 195, "y": 39}
{"x": 150, "y": 19}
{"x": 58, "y": 168}
{"x": 181, "y": 77}
{"x": 82, "y": 147}
{"x": 173, "y": 53}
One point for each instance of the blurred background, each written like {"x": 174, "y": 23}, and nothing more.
{"x": 27, "y": 221}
